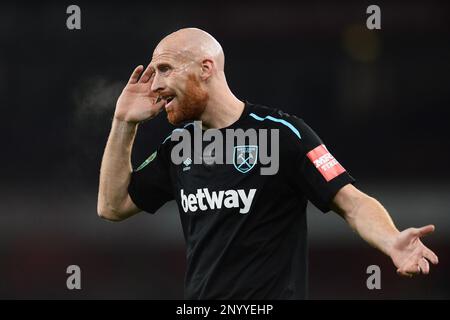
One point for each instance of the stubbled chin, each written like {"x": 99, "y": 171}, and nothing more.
{"x": 172, "y": 115}
{"x": 174, "y": 118}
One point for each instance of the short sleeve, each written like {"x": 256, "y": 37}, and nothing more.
{"x": 150, "y": 186}
{"x": 315, "y": 171}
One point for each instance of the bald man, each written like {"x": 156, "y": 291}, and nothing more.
{"x": 245, "y": 232}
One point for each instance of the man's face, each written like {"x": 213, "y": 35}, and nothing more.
{"x": 176, "y": 80}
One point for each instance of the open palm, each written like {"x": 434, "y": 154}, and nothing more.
{"x": 410, "y": 255}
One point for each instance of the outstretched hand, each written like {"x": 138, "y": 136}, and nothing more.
{"x": 410, "y": 255}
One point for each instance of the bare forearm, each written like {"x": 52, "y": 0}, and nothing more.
{"x": 366, "y": 216}
{"x": 116, "y": 167}
{"x": 372, "y": 222}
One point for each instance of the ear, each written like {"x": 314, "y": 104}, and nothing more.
{"x": 207, "y": 69}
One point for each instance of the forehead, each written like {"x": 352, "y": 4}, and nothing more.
{"x": 171, "y": 53}
{"x": 169, "y": 56}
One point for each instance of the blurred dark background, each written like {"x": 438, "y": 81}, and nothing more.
{"x": 379, "y": 99}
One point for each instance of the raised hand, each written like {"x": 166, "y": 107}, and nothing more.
{"x": 137, "y": 102}
{"x": 409, "y": 254}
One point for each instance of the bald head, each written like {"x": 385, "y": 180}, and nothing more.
{"x": 192, "y": 43}
{"x": 187, "y": 71}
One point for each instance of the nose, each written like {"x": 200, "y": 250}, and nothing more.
{"x": 157, "y": 83}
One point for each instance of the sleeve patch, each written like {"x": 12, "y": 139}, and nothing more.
{"x": 324, "y": 161}
{"x": 147, "y": 161}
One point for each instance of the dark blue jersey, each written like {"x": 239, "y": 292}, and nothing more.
{"x": 245, "y": 232}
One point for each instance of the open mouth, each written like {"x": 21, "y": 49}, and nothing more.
{"x": 168, "y": 99}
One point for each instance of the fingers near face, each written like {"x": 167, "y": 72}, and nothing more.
{"x": 159, "y": 105}
{"x": 146, "y": 75}
{"x": 136, "y": 73}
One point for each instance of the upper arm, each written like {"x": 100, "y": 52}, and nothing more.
{"x": 150, "y": 184}
{"x": 315, "y": 172}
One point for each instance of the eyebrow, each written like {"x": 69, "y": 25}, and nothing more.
{"x": 160, "y": 64}
{"x": 163, "y": 64}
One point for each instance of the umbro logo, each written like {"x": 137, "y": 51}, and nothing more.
{"x": 187, "y": 164}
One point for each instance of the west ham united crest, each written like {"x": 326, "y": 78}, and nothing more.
{"x": 245, "y": 157}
